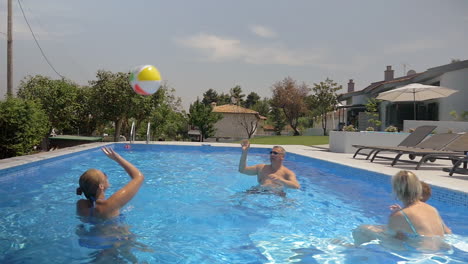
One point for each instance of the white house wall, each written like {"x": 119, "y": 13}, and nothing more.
{"x": 229, "y": 126}
{"x": 457, "y": 80}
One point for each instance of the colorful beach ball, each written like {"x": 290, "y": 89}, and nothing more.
{"x": 145, "y": 80}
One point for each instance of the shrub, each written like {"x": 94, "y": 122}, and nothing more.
{"x": 370, "y": 129}
{"x": 411, "y": 130}
{"x": 349, "y": 128}
{"x": 23, "y": 124}
{"x": 391, "y": 129}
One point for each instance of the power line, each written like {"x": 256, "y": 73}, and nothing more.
{"x": 37, "y": 43}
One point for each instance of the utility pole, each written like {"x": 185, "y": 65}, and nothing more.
{"x": 9, "y": 51}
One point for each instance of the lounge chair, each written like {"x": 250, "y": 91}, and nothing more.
{"x": 456, "y": 164}
{"x": 456, "y": 151}
{"x": 435, "y": 142}
{"x": 418, "y": 135}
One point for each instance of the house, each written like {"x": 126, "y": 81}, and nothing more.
{"x": 237, "y": 122}
{"x": 453, "y": 75}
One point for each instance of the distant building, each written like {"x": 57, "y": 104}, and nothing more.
{"x": 237, "y": 122}
{"x": 453, "y": 75}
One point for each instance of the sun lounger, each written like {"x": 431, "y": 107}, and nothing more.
{"x": 435, "y": 142}
{"x": 456, "y": 165}
{"x": 418, "y": 135}
{"x": 457, "y": 150}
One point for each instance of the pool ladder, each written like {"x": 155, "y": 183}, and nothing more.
{"x": 148, "y": 133}
{"x": 132, "y": 132}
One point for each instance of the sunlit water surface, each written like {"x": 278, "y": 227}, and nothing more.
{"x": 193, "y": 208}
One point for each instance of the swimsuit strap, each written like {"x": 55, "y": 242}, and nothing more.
{"x": 409, "y": 222}
{"x": 91, "y": 210}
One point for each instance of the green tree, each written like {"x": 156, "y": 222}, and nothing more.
{"x": 279, "y": 120}
{"x": 114, "y": 97}
{"x": 252, "y": 99}
{"x": 324, "y": 100}
{"x": 203, "y": 117}
{"x": 86, "y": 122}
{"x": 58, "y": 98}
{"x": 168, "y": 119}
{"x": 223, "y": 99}
{"x": 372, "y": 112}
{"x": 209, "y": 97}
{"x": 262, "y": 106}
{"x": 23, "y": 124}
{"x": 290, "y": 97}
{"x": 144, "y": 109}
{"x": 236, "y": 93}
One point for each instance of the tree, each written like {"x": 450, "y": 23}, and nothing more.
{"x": 209, "y": 97}
{"x": 324, "y": 100}
{"x": 143, "y": 112}
{"x": 289, "y": 96}
{"x": 114, "y": 97}
{"x": 224, "y": 99}
{"x": 23, "y": 124}
{"x": 58, "y": 98}
{"x": 262, "y": 106}
{"x": 167, "y": 119}
{"x": 203, "y": 117}
{"x": 87, "y": 122}
{"x": 279, "y": 120}
{"x": 248, "y": 121}
{"x": 236, "y": 93}
{"x": 372, "y": 112}
{"x": 251, "y": 100}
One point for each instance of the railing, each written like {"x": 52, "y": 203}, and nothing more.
{"x": 148, "y": 133}
{"x": 132, "y": 132}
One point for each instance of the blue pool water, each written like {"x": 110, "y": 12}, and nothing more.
{"x": 192, "y": 208}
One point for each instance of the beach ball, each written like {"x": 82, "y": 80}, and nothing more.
{"x": 145, "y": 80}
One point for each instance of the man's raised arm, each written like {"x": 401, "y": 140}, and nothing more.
{"x": 252, "y": 170}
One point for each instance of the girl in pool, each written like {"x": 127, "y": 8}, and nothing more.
{"x": 106, "y": 231}
{"x": 94, "y": 183}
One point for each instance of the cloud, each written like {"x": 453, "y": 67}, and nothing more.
{"x": 262, "y": 31}
{"x": 36, "y": 13}
{"x": 227, "y": 49}
{"x": 415, "y": 45}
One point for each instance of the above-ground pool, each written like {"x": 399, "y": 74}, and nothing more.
{"x": 193, "y": 208}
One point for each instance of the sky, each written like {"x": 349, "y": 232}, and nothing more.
{"x": 203, "y": 44}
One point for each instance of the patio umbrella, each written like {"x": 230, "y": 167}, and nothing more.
{"x": 415, "y": 92}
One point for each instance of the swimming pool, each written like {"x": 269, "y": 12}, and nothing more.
{"x": 193, "y": 209}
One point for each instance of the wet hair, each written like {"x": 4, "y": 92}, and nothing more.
{"x": 407, "y": 186}
{"x": 426, "y": 191}
{"x": 280, "y": 148}
{"x": 89, "y": 183}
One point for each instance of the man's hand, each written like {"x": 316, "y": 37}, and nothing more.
{"x": 245, "y": 144}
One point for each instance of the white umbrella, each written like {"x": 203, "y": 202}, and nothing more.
{"x": 415, "y": 92}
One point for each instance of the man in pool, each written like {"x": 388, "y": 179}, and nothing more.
{"x": 273, "y": 177}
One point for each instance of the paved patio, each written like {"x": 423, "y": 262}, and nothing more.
{"x": 431, "y": 172}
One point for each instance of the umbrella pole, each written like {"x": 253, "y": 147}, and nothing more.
{"x": 414, "y": 104}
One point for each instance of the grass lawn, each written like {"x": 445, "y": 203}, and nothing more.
{"x": 291, "y": 140}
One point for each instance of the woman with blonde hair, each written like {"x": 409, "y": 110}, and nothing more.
{"x": 416, "y": 218}
{"x": 94, "y": 183}
{"x": 418, "y": 225}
